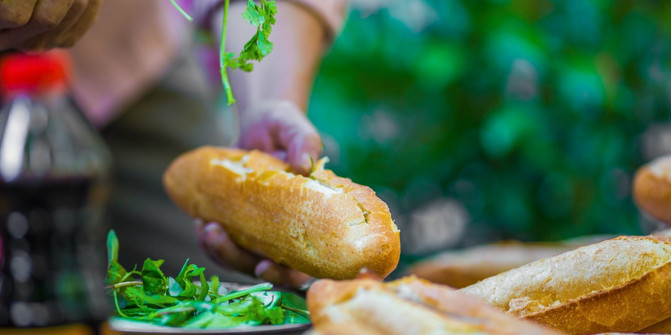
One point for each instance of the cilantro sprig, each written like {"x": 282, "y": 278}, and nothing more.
{"x": 262, "y": 16}
{"x": 189, "y": 300}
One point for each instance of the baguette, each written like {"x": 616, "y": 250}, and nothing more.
{"x": 461, "y": 268}
{"x": 406, "y": 306}
{"x": 652, "y": 189}
{"x": 322, "y": 224}
{"x": 618, "y": 285}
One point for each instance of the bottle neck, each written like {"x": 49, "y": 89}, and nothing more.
{"x": 46, "y": 95}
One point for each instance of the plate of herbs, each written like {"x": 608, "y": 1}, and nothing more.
{"x": 145, "y": 300}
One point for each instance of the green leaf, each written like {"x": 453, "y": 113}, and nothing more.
{"x": 259, "y": 45}
{"x": 149, "y": 296}
{"x": 140, "y": 298}
{"x": 115, "y": 273}
{"x": 268, "y": 298}
{"x": 295, "y": 308}
{"x": 174, "y": 289}
{"x": 252, "y": 14}
{"x": 112, "y": 247}
{"x": 214, "y": 285}
{"x": 238, "y": 294}
{"x": 153, "y": 279}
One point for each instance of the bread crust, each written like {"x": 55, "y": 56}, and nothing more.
{"x": 461, "y": 268}
{"x": 323, "y": 225}
{"x": 662, "y": 327}
{"x": 652, "y": 189}
{"x": 619, "y": 285}
{"x": 406, "y": 306}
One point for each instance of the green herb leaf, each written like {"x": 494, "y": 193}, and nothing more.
{"x": 154, "y": 281}
{"x": 112, "y": 248}
{"x": 149, "y": 296}
{"x": 253, "y": 14}
{"x": 174, "y": 289}
{"x": 261, "y": 16}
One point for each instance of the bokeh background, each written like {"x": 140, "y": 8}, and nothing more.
{"x": 482, "y": 120}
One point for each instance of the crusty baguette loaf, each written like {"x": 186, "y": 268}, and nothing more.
{"x": 406, "y": 306}
{"x": 652, "y": 188}
{"x": 461, "y": 268}
{"x": 618, "y": 285}
{"x": 464, "y": 267}
{"x": 323, "y": 225}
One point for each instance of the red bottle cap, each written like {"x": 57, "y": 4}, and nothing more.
{"x": 33, "y": 72}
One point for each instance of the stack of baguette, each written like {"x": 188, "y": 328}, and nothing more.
{"x": 461, "y": 268}
{"x": 618, "y": 285}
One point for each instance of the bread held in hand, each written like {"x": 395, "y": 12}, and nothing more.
{"x": 321, "y": 224}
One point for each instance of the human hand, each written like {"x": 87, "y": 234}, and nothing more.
{"x": 34, "y": 25}
{"x": 218, "y": 245}
{"x": 280, "y": 128}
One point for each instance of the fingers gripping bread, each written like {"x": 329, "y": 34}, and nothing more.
{"x": 406, "y": 306}
{"x": 323, "y": 225}
{"x": 622, "y": 284}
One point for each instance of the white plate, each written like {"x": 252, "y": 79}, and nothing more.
{"x": 128, "y": 327}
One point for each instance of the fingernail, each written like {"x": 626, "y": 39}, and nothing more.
{"x": 306, "y": 162}
{"x": 261, "y": 268}
{"x": 212, "y": 227}
{"x": 212, "y": 233}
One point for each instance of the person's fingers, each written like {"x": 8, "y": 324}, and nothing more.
{"x": 48, "y": 14}
{"x": 81, "y": 25}
{"x": 15, "y": 13}
{"x": 300, "y": 139}
{"x": 220, "y": 247}
{"x": 280, "y": 126}
{"x": 280, "y": 275}
{"x": 279, "y": 154}
{"x": 56, "y": 37}
{"x": 303, "y": 151}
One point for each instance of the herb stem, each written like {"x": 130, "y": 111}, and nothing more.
{"x": 124, "y": 284}
{"x": 222, "y": 57}
{"x": 297, "y": 311}
{"x": 174, "y": 3}
{"x": 116, "y": 304}
{"x": 175, "y": 310}
{"x": 238, "y": 294}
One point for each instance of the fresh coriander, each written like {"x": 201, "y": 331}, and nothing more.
{"x": 262, "y": 16}
{"x": 189, "y": 300}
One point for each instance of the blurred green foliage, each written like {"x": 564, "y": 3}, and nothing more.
{"x": 528, "y": 112}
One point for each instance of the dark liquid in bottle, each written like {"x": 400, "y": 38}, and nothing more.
{"x": 51, "y": 273}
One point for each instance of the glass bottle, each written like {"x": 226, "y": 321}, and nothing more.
{"x": 54, "y": 171}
